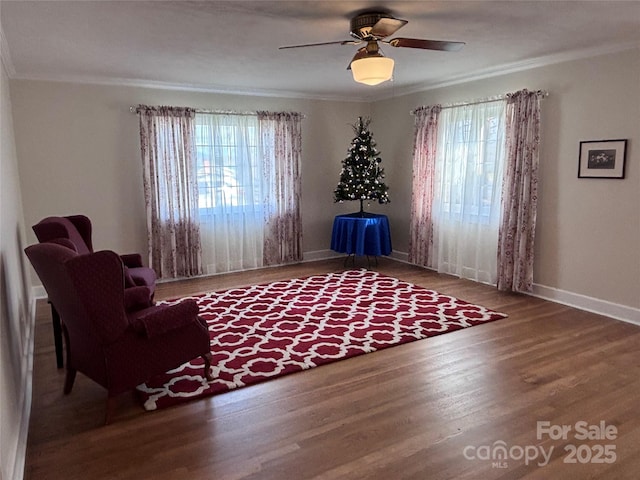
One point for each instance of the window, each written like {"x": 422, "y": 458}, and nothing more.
{"x": 235, "y": 205}
{"x": 467, "y": 188}
{"x": 229, "y": 169}
{"x": 473, "y": 209}
{"x": 470, "y": 164}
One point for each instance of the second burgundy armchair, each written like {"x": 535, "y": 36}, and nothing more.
{"x": 76, "y": 231}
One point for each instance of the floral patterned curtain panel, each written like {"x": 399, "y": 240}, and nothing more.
{"x": 424, "y": 157}
{"x": 519, "y": 192}
{"x": 170, "y": 190}
{"x": 281, "y": 146}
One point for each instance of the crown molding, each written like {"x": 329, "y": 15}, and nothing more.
{"x": 515, "y": 67}
{"x": 186, "y": 87}
{"x": 370, "y": 96}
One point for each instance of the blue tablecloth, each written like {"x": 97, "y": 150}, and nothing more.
{"x": 361, "y": 235}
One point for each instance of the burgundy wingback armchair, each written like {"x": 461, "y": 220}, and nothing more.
{"x": 77, "y": 230}
{"x": 112, "y": 335}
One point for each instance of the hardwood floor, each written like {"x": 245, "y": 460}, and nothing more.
{"x": 431, "y": 409}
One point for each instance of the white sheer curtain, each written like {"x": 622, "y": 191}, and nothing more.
{"x": 231, "y": 190}
{"x": 467, "y": 186}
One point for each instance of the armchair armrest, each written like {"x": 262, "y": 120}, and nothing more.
{"x": 166, "y": 318}
{"x": 129, "y": 282}
{"x": 132, "y": 260}
{"x": 137, "y": 298}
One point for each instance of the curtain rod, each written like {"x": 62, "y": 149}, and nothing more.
{"x": 541, "y": 93}
{"x": 223, "y": 112}
{"x": 133, "y": 109}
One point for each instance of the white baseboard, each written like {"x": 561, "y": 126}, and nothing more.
{"x": 576, "y": 300}
{"x": 38, "y": 291}
{"x": 25, "y": 414}
{"x": 583, "y": 302}
{"x": 24, "y": 410}
{"x": 320, "y": 255}
{"x": 400, "y": 256}
{"x": 327, "y": 254}
{"x": 590, "y": 304}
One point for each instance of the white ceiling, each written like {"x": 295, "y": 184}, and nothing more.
{"x": 232, "y": 46}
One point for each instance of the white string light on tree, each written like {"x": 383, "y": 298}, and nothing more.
{"x": 361, "y": 175}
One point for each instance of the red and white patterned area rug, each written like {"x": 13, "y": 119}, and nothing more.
{"x": 264, "y": 331}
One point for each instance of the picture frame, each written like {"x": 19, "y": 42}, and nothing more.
{"x": 602, "y": 159}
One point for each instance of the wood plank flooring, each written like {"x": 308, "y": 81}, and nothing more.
{"x": 431, "y": 409}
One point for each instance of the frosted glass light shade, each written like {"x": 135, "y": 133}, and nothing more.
{"x": 372, "y": 70}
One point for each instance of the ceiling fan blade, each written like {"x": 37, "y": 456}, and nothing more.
{"x": 361, "y": 53}
{"x": 387, "y": 26}
{"x": 426, "y": 44}
{"x": 340, "y": 42}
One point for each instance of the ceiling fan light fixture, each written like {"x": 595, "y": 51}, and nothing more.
{"x": 372, "y": 70}
{"x": 368, "y": 65}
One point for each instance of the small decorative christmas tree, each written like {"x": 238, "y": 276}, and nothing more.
{"x": 361, "y": 175}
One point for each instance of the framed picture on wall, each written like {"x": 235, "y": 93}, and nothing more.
{"x": 602, "y": 159}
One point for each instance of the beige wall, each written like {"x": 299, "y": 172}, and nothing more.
{"x": 16, "y": 317}
{"x": 78, "y": 150}
{"x": 588, "y": 230}
{"x": 79, "y": 153}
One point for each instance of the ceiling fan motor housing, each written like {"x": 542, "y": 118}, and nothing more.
{"x": 361, "y": 25}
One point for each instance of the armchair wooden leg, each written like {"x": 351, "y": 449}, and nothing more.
{"x": 112, "y": 403}
{"x": 207, "y": 367}
{"x": 57, "y": 335}
{"x": 69, "y": 379}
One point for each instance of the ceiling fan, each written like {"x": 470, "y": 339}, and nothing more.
{"x": 368, "y": 65}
